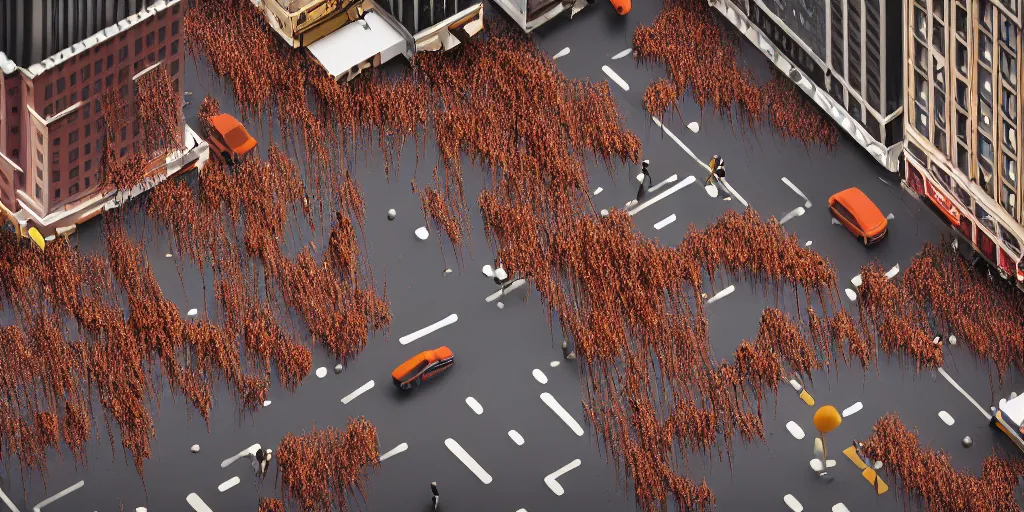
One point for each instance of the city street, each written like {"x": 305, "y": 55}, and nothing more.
{"x": 509, "y": 357}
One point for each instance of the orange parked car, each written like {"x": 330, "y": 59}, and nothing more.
{"x": 228, "y": 137}
{"x": 855, "y": 211}
{"x": 622, "y": 6}
{"x": 423, "y": 366}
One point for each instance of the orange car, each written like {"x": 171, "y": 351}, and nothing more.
{"x": 229, "y": 138}
{"x": 855, "y": 211}
{"x": 622, "y": 6}
{"x": 422, "y": 366}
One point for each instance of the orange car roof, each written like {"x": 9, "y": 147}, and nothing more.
{"x": 233, "y": 133}
{"x": 863, "y": 210}
{"x": 429, "y": 355}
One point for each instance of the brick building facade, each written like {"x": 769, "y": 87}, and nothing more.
{"x": 52, "y": 128}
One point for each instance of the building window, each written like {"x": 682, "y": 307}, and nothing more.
{"x": 1009, "y": 104}
{"x": 920, "y": 56}
{"x": 109, "y": 81}
{"x": 39, "y": 192}
{"x": 98, "y": 67}
{"x": 1009, "y": 170}
{"x": 56, "y": 194}
{"x": 921, "y": 23}
{"x": 962, "y": 195}
{"x": 39, "y": 156}
{"x": 110, "y": 62}
{"x": 985, "y": 84}
{"x": 939, "y": 37}
{"x": 122, "y": 54}
{"x": 88, "y": 165}
{"x": 74, "y": 79}
{"x": 85, "y": 73}
{"x": 162, "y": 34}
{"x": 174, "y": 68}
{"x": 984, "y": 116}
{"x": 961, "y": 22}
{"x": 939, "y": 140}
{"x": 124, "y": 133}
{"x": 174, "y": 48}
{"x": 87, "y": 182}
{"x": 55, "y": 158}
{"x": 85, "y": 93}
{"x": 961, "y": 126}
{"x": 56, "y": 141}
{"x": 122, "y": 75}
{"x": 1008, "y": 67}
{"x": 56, "y": 175}
{"x": 985, "y": 49}
{"x": 73, "y": 156}
{"x": 174, "y": 27}
{"x": 138, "y": 46}
{"x": 1008, "y": 32}
{"x": 61, "y": 104}
{"x": 124, "y": 151}
{"x": 961, "y": 161}
{"x": 985, "y": 14}
{"x": 48, "y": 92}
{"x": 961, "y": 57}
{"x": 149, "y": 39}
{"x": 985, "y": 176}
{"x": 73, "y": 173}
{"x": 1009, "y": 136}
{"x": 161, "y": 53}
{"x": 87, "y": 110}
{"x": 985, "y": 148}
{"x": 74, "y": 189}
{"x": 1008, "y": 200}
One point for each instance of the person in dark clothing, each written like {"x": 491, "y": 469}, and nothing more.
{"x": 716, "y": 175}
{"x": 647, "y": 172}
{"x": 436, "y": 495}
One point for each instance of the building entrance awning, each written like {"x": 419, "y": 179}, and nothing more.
{"x": 356, "y": 43}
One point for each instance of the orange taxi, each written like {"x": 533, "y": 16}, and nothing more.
{"x": 423, "y": 366}
{"x": 622, "y": 6}
{"x": 859, "y": 215}
{"x": 228, "y": 137}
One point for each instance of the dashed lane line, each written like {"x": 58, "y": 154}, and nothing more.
{"x": 355, "y": 394}
{"x": 514, "y": 286}
{"x": 689, "y": 180}
{"x": 722, "y": 294}
{"x": 233, "y": 481}
{"x": 964, "y": 393}
{"x": 446, "y": 321}
{"x": 244, "y": 453}
{"x": 552, "y": 403}
{"x": 394, "y": 451}
{"x": 468, "y": 460}
{"x": 615, "y": 77}
{"x": 665, "y": 222}
{"x": 807, "y": 202}
{"x": 7, "y": 501}
{"x": 197, "y": 503}
{"x": 623, "y": 53}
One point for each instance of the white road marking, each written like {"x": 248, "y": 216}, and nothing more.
{"x": 193, "y": 312}
{"x": 539, "y": 375}
{"x": 197, "y": 503}
{"x": 266, "y": 403}
{"x": 722, "y": 294}
{"x": 675, "y": 188}
{"x": 793, "y": 503}
{"x": 665, "y": 222}
{"x": 448, "y": 320}
{"x": 857, "y": 280}
{"x": 244, "y": 453}
{"x": 893, "y": 271}
{"x": 962, "y": 392}
{"x": 552, "y": 479}
{"x": 598, "y": 190}
{"x": 473, "y": 404}
{"x": 670, "y": 179}
{"x": 807, "y": 202}
{"x": 795, "y": 430}
{"x": 839, "y": 507}
{"x": 615, "y": 77}
{"x": 422, "y": 233}
{"x": 817, "y": 466}
{"x": 555, "y": 363}
{"x": 467, "y": 460}
{"x": 890, "y": 217}
{"x": 562, "y": 413}
{"x": 229, "y": 484}
{"x": 808, "y": 244}
{"x": 516, "y": 437}
{"x": 952, "y": 339}
{"x": 168, "y": 255}
{"x": 321, "y": 372}
{"x": 798, "y": 211}
{"x": 850, "y": 294}
{"x": 59, "y": 495}
{"x": 853, "y": 409}
{"x": 140, "y": 509}
{"x": 693, "y": 127}
{"x": 515, "y": 285}
{"x": 796, "y": 385}
{"x": 623, "y": 53}
{"x": 679, "y": 143}
{"x": 563, "y": 53}
{"x": 733, "y": 192}
{"x": 7, "y": 501}
{"x": 355, "y": 394}
{"x": 394, "y": 451}
{"x": 946, "y": 418}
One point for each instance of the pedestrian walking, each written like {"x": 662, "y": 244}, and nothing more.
{"x": 265, "y": 465}
{"x": 647, "y": 172}
{"x": 716, "y": 175}
{"x": 436, "y": 495}
{"x": 256, "y": 457}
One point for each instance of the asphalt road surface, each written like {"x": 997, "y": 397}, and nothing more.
{"x": 499, "y": 351}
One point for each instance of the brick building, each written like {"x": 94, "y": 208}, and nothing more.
{"x": 50, "y": 88}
